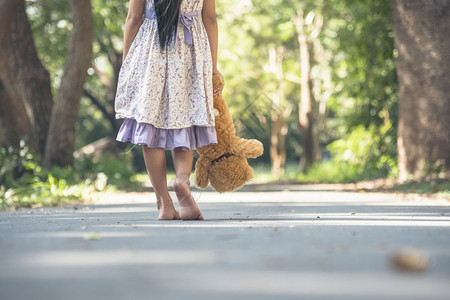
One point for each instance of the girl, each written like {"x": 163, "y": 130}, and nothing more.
{"x": 165, "y": 91}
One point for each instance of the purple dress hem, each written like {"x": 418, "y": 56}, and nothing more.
{"x": 189, "y": 138}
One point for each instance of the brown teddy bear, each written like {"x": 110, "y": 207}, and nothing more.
{"x": 224, "y": 165}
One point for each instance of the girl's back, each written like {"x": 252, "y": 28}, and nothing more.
{"x": 170, "y": 88}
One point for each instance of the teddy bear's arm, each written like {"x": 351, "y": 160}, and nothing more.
{"x": 201, "y": 173}
{"x": 248, "y": 148}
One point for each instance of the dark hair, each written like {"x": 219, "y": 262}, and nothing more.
{"x": 167, "y": 13}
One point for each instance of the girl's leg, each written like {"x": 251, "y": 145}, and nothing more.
{"x": 155, "y": 161}
{"x": 182, "y": 161}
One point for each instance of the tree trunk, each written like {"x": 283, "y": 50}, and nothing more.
{"x": 278, "y": 145}
{"x": 33, "y": 78}
{"x": 278, "y": 116}
{"x": 306, "y": 105}
{"x": 61, "y": 137}
{"x": 14, "y": 118}
{"x": 13, "y": 110}
{"x": 2, "y": 132}
{"x": 421, "y": 30}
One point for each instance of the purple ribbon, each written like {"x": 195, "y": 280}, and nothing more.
{"x": 186, "y": 20}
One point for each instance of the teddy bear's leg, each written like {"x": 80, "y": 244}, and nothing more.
{"x": 247, "y": 148}
{"x": 201, "y": 173}
{"x": 182, "y": 161}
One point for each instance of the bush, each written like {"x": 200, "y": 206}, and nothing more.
{"x": 24, "y": 183}
{"x": 114, "y": 171}
{"x": 329, "y": 172}
{"x": 366, "y": 154}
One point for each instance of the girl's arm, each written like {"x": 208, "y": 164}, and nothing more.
{"x": 210, "y": 22}
{"x": 134, "y": 20}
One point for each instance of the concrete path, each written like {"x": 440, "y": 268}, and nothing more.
{"x": 289, "y": 244}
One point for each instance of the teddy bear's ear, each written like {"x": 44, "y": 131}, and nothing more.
{"x": 218, "y": 81}
{"x": 201, "y": 173}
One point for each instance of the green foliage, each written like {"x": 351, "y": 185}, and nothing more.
{"x": 51, "y": 26}
{"x": 364, "y": 62}
{"x": 24, "y": 183}
{"x": 330, "y": 172}
{"x": 365, "y": 98}
{"x": 365, "y": 153}
{"x": 356, "y": 39}
{"x": 324, "y": 172}
{"x": 108, "y": 170}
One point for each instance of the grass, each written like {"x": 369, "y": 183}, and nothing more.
{"x": 326, "y": 172}
{"x": 329, "y": 173}
{"x": 434, "y": 187}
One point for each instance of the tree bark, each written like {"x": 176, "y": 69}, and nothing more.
{"x": 61, "y": 137}
{"x": 33, "y": 78}
{"x": 421, "y": 31}
{"x": 279, "y": 126}
{"x": 13, "y": 110}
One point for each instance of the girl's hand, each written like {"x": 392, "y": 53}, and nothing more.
{"x": 218, "y": 91}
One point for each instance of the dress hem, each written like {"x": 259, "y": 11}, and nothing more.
{"x": 146, "y": 134}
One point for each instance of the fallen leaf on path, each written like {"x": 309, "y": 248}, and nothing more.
{"x": 411, "y": 260}
{"x": 92, "y": 236}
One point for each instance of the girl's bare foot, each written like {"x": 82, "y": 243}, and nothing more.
{"x": 188, "y": 208}
{"x": 168, "y": 214}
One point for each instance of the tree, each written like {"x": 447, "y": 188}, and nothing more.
{"x": 308, "y": 29}
{"x": 50, "y": 20}
{"x": 421, "y": 31}
{"x": 280, "y": 111}
{"x": 12, "y": 108}
{"x": 33, "y": 78}
{"x": 61, "y": 135}
{"x": 27, "y": 107}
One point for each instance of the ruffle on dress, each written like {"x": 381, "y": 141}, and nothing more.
{"x": 189, "y": 138}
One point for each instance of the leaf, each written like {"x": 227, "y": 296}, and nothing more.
{"x": 92, "y": 236}
{"x": 410, "y": 260}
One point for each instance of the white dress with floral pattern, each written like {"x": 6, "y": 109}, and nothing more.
{"x": 167, "y": 89}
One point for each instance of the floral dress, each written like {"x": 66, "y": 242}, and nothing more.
{"x": 166, "y": 96}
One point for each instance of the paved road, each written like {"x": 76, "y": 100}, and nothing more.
{"x": 254, "y": 245}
